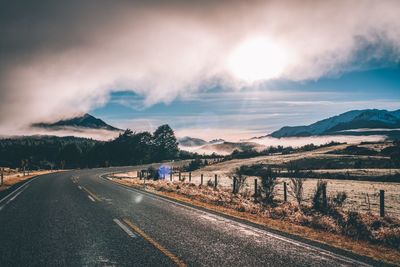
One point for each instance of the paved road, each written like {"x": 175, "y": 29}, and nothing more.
{"x": 78, "y": 219}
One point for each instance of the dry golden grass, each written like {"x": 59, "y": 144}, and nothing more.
{"x": 285, "y": 218}
{"x": 362, "y": 195}
{"x": 16, "y": 178}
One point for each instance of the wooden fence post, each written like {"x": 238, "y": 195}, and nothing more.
{"x": 234, "y": 185}
{"x": 324, "y": 199}
{"x": 201, "y": 179}
{"x": 170, "y": 175}
{"x": 190, "y": 177}
{"x": 2, "y": 176}
{"x": 285, "y": 191}
{"x": 255, "y": 189}
{"x": 215, "y": 181}
{"x": 382, "y": 202}
{"x": 180, "y": 176}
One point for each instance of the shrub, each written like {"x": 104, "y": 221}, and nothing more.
{"x": 319, "y": 201}
{"x": 296, "y": 186}
{"x": 354, "y": 226}
{"x": 339, "y": 199}
{"x": 268, "y": 182}
{"x": 194, "y": 165}
{"x": 389, "y": 236}
{"x": 241, "y": 178}
{"x": 153, "y": 173}
{"x": 210, "y": 183}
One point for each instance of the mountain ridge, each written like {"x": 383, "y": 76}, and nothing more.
{"x": 350, "y": 120}
{"x": 85, "y": 121}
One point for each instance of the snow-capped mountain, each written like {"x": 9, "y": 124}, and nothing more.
{"x": 352, "y": 120}
{"x": 86, "y": 121}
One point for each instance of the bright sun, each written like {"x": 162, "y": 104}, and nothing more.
{"x": 257, "y": 59}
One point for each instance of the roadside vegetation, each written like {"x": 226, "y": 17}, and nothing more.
{"x": 13, "y": 176}
{"x": 327, "y": 221}
{"x": 315, "y": 207}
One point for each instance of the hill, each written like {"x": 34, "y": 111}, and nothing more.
{"x": 360, "y": 122}
{"x": 191, "y": 141}
{"x": 86, "y": 121}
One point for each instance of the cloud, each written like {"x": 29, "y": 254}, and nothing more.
{"x": 61, "y": 58}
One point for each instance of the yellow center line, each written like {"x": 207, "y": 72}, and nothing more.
{"x": 165, "y": 251}
{"x": 91, "y": 194}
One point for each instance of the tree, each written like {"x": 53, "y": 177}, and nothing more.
{"x": 165, "y": 143}
{"x": 71, "y": 153}
{"x": 129, "y": 148}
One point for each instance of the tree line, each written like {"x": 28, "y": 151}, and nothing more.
{"x": 129, "y": 148}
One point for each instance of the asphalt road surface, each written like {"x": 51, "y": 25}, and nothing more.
{"x": 76, "y": 218}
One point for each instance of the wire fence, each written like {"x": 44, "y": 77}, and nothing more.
{"x": 362, "y": 196}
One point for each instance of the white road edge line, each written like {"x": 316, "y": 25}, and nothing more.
{"x": 92, "y": 199}
{"x": 18, "y": 189}
{"x": 252, "y": 228}
{"x": 14, "y": 197}
{"x": 125, "y": 228}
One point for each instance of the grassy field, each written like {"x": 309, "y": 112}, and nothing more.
{"x": 362, "y": 195}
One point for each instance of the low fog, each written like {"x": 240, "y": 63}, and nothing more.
{"x": 295, "y": 142}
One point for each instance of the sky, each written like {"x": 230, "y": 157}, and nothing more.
{"x": 211, "y": 69}
{"x": 235, "y": 115}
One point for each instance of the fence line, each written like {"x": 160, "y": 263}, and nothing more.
{"x": 377, "y": 200}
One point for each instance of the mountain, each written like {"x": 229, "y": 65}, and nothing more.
{"x": 86, "y": 121}
{"x": 217, "y": 141}
{"x": 190, "y": 141}
{"x": 361, "y": 121}
{"x": 226, "y": 148}
{"x": 218, "y": 146}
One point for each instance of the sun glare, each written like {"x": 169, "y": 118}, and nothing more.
{"x": 257, "y": 59}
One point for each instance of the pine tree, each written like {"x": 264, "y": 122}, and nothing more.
{"x": 165, "y": 142}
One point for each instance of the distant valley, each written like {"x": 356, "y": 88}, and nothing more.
{"x": 370, "y": 125}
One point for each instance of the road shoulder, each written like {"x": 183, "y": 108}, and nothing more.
{"x": 371, "y": 254}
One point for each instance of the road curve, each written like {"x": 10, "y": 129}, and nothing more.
{"x": 76, "y": 218}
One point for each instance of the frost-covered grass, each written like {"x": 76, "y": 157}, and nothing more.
{"x": 362, "y": 195}
{"x": 367, "y": 228}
